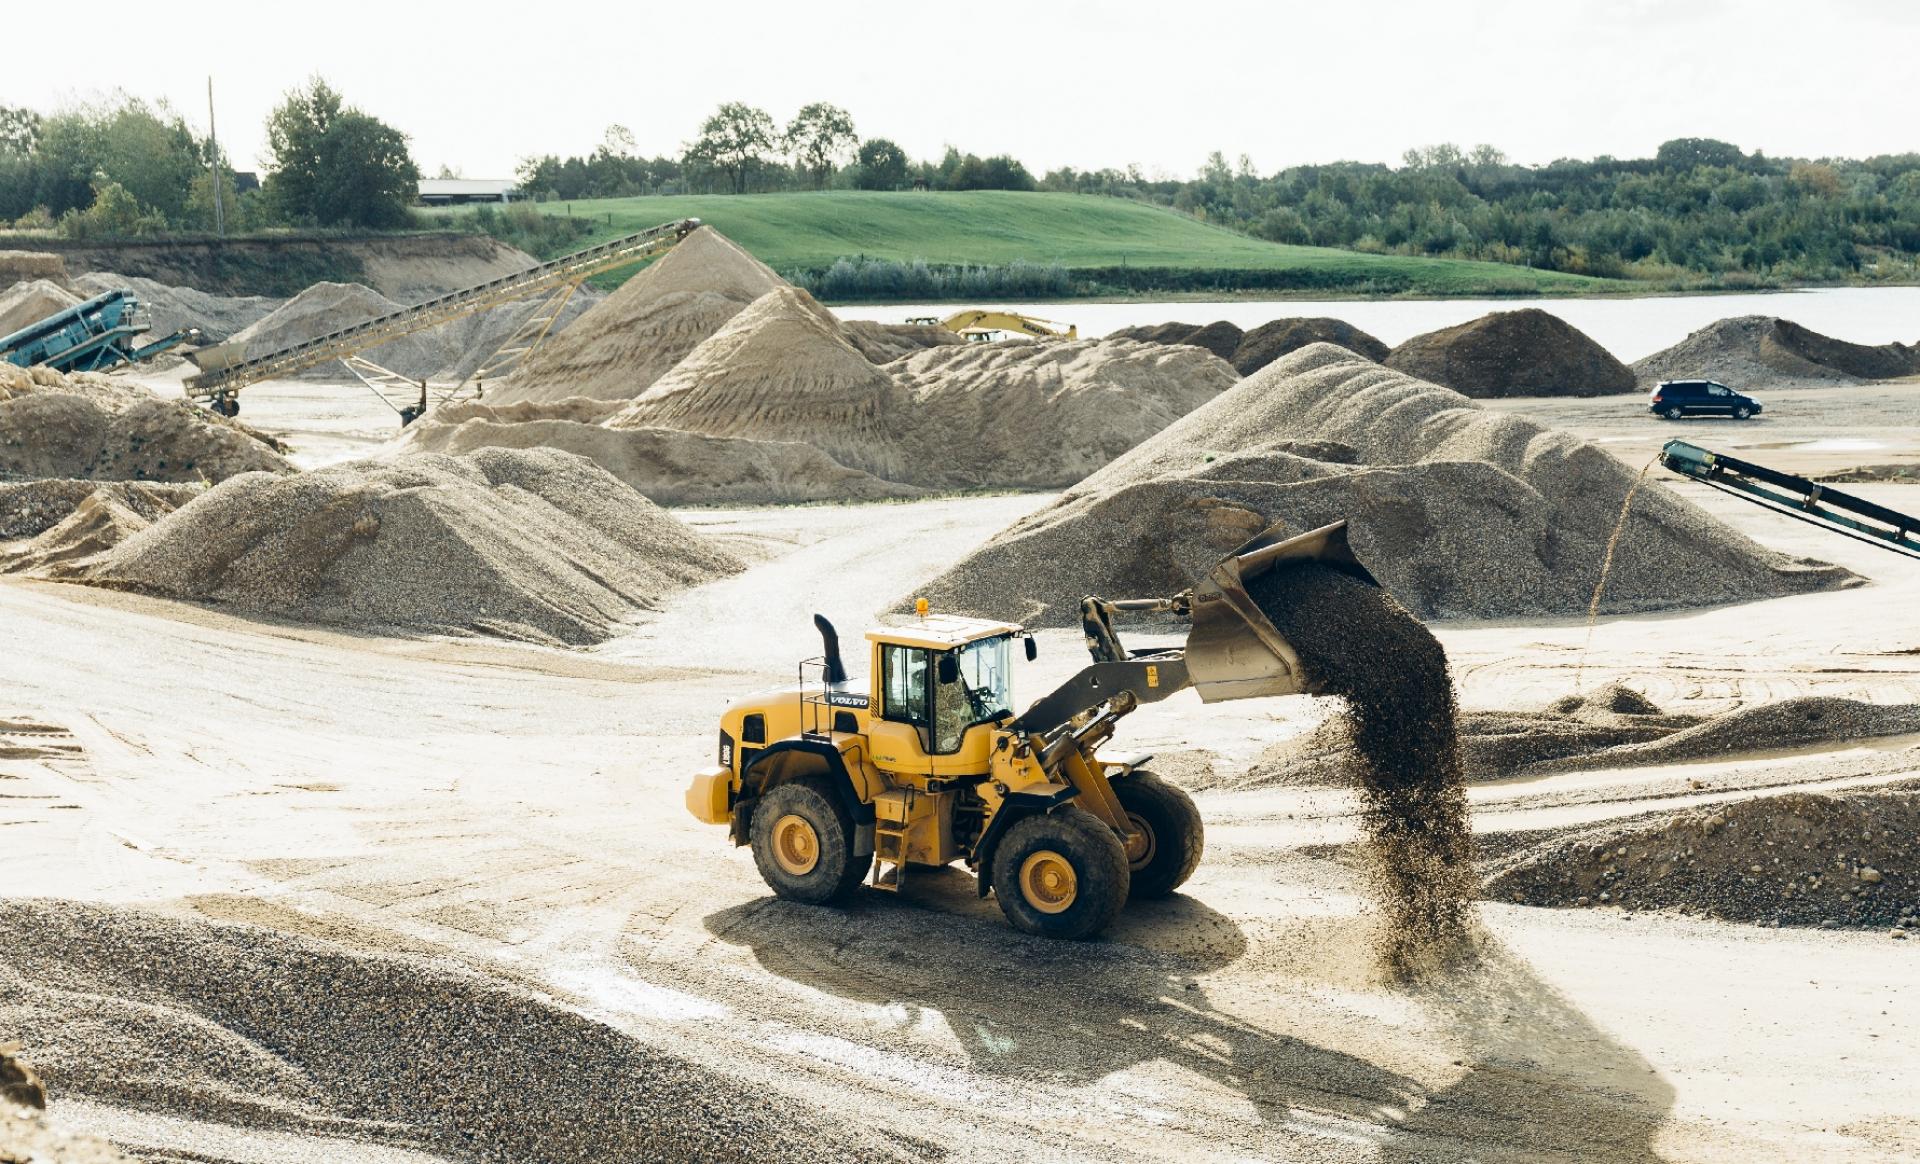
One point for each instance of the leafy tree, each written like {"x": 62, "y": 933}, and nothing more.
{"x": 335, "y": 165}
{"x": 151, "y": 153}
{"x": 818, "y": 135}
{"x": 1687, "y": 153}
{"x": 19, "y": 131}
{"x": 735, "y": 141}
{"x": 883, "y": 165}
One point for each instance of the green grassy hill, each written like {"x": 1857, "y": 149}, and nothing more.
{"x": 1083, "y": 233}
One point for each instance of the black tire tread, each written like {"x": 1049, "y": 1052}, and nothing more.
{"x": 1179, "y": 832}
{"x": 1100, "y": 863}
{"x": 816, "y": 799}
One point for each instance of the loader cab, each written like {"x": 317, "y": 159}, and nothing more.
{"x": 939, "y": 685}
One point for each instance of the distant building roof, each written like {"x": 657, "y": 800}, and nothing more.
{"x": 470, "y": 187}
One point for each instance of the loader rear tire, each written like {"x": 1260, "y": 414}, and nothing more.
{"x": 1172, "y": 835}
{"x": 1061, "y": 874}
{"x": 803, "y": 843}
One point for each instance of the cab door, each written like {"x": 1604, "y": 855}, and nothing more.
{"x": 899, "y": 722}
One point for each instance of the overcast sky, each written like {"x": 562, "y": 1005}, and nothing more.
{"x": 478, "y": 85}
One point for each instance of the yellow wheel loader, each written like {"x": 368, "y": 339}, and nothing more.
{"x": 926, "y": 762}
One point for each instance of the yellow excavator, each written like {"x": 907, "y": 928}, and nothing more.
{"x": 926, "y": 763}
{"x": 981, "y": 326}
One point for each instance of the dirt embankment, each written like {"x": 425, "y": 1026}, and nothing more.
{"x": 92, "y": 426}
{"x": 1461, "y": 511}
{"x": 1754, "y": 351}
{"x": 536, "y": 545}
{"x": 407, "y": 267}
{"x": 1513, "y": 353}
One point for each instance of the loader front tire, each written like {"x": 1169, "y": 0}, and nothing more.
{"x": 1171, "y": 835}
{"x": 1061, "y": 874}
{"x": 803, "y": 843}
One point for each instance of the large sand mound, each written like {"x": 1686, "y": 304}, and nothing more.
{"x": 91, "y": 426}
{"x": 32, "y": 301}
{"x": 1513, "y": 353}
{"x": 1268, "y": 342}
{"x": 1042, "y": 415}
{"x": 247, "y": 1026}
{"x": 328, "y": 307}
{"x": 1461, "y": 511}
{"x": 1797, "y": 859}
{"x": 526, "y": 544}
{"x": 781, "y": 370}
{"x": 219, "y": 317}
{"x": 619, "y": 348}
{"x": 670, "y": 467}
{"x": 1752, "y": 351}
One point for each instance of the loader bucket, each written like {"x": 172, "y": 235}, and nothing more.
{"x": 1234, "y": 651}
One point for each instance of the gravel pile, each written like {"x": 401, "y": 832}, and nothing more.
{"x": 30, "y": 508}
{"x": 97, "y": 524}
{"x": 1219, "y": 337}
{"x": 1752, "y": 351}
{"x": 328, "y": 307}
{"x": 1040, "y": 415}
{"x": 781, "y": 370}
{"x": 1513, "y": 353}
{"x": 32, "y": 301}
{"x": 1357, "y": 643}
{"x": 536, "y": 545}
{"x": 1461, "y": 511}
{"x": 616, "y": 350}
{"x": 91, "y": 426}
{"x": 1614, "y": 727}
{"x": 219, "y": 317}
{"x": 252, "y": 1027}
{"x": 1793, "y": 859}
{"x": 669, "y": 467}
{"x": 1268, "y": 342}
{"x": 883, "y": 343}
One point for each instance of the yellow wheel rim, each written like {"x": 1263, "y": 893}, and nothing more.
{"x": 796, "y": 847}
{"x": 1142, "y": 846}
{"x": 1047, "y": 882}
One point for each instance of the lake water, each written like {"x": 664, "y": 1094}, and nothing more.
{"x": 1629, "y": 328}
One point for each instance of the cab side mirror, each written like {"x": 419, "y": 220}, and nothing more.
{"x": 949, "y": 669}
{"x": 1033, "y": 649}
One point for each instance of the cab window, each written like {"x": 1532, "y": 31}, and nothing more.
{"x": 981, "y": 690}
{"x": 904, "y": 672}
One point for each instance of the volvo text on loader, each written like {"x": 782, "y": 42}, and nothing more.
{"x": 926, "y": 762}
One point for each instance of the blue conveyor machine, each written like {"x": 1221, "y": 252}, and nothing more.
{"x": 89, "y": 337}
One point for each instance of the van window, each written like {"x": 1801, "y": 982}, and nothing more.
{"x": 1716, "y": 390}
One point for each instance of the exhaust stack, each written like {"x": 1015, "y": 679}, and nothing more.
{"x": 830, "y": 642}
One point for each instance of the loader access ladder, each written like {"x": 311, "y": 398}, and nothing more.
{"x": 1797, "y": 497}
{"x": 224, "y": 372}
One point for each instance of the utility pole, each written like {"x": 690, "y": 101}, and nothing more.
{"x": 213, "y": 166}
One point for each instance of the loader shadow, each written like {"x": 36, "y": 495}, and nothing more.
{"x": 1538, "y": 1080}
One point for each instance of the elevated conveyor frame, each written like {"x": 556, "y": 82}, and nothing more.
{"x": 1797, "y": 497}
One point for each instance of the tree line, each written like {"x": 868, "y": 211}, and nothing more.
{"x": 742, "y": 149}
{"x": 125, "y": 166}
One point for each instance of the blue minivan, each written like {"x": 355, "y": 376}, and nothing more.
{"x": 1674, "y": 399}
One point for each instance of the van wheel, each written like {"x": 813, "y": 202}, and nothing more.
{"x": 1742, "y": 412}
{"x": 803, "y": 843}
{"x": 1674, "y": 413}
{"x": 1061, "y": 874}
{"x": 1169, "y": 834}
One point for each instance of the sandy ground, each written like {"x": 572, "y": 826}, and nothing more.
{"x": 519, "y": 809}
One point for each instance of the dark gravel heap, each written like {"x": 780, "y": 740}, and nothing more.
{"x": 1796, "y": 859}
{"x": 1358, "y": 643}
{"x": 1268, "y": 342}
{"x": 250, "y": 1026}
{"x": 1513, "y": 353}
{"x": 1754, "y": 351}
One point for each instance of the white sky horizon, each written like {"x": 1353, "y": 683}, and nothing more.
{"x": 1069, "y": 82}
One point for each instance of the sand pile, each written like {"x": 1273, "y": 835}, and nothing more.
{"x": 1461, "y": 511}
{"x": 781, "y": 370}
{"x": 98, "y": 523}
{"x": 91, "y": 426}
{"x": 1513, "y": 353}
{"x": 1794, "y": 859}
{"x": 30, "y": 302}
{"x": 21, "y": 266}
{"x": 669, "y": 467}
{"x": 1612, "y": 727}
{"x": 619, "y": 348}
{"x": 536, "y": 545}
{"x": 1361, "y": 645}
{"x": 1268, "y": 342}
{"x": 883, "y": 343}
{"x": 30, "y": 508}
{"x": 252, "y": 1027}
{"x": 1041, "y": 416}
{"x": 219, "y": 317}
{"x": 329, "y": 307}
{"x": 1752, "y": 351}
